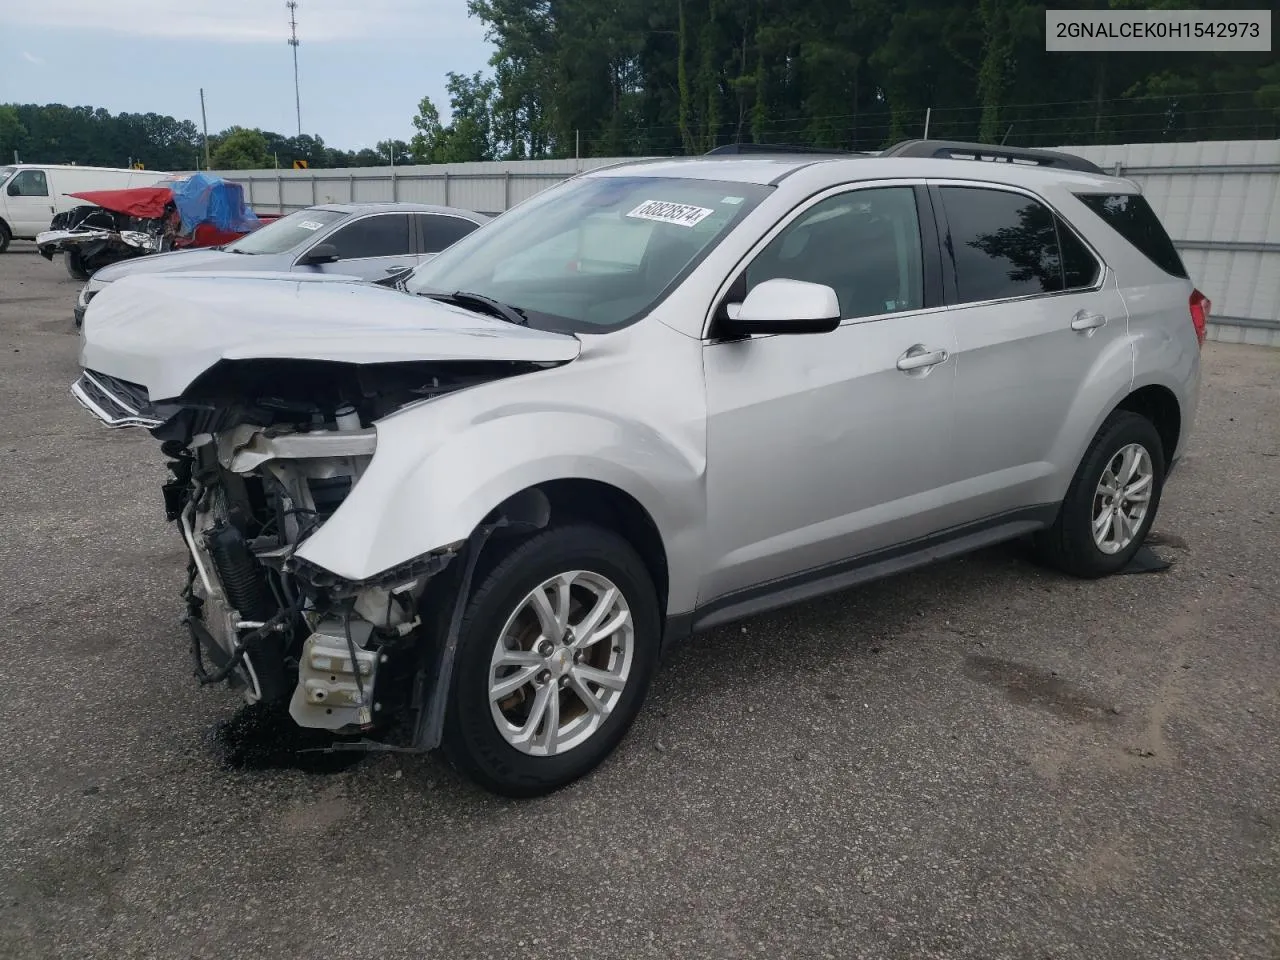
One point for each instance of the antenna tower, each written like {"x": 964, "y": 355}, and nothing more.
{"x": 293, "y": 42}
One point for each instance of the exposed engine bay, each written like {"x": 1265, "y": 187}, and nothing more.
{"x": 96, "y": 237}
{"x": 262, "y": 453}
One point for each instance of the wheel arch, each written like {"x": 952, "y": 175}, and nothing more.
{"x": 594, "y": 501}
{"x": 1160, "y": 405}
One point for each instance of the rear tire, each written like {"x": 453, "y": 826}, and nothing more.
{"x": 1096, "y": 534}
{"x": 75, "y": 265}
{"x": 495, "y": 738}
{"x": 5, "y": 236}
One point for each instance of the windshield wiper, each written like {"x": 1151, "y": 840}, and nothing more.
{"x": 461, "y": 298}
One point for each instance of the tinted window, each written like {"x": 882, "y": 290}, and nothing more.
{"x": 285, "y": 233}
{"x": 864, "y": 244}
{"x": 437, "y": 232}
{"x": 386, "y": 235}
{"x": 1131, "y": 216}
{"x": 29, "y": 183}
{"x": 1004, "y": 244}
{"x": 1079, "y": 266}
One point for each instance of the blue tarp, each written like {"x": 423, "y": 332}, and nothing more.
{"x": 205, "y": 199}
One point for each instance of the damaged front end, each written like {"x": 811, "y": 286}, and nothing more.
{"x": 96, "y": 237}
{"x": 262, "y": 454}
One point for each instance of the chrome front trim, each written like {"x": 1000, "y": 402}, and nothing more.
{"x": 124, "y": 415}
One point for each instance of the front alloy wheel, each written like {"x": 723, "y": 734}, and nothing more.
{"x": 557, "y": 648}
{"x": 561, "y": 663}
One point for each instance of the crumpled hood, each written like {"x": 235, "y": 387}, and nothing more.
{"x": 163, "y": 331}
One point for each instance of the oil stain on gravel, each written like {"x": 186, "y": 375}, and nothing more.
{"x": 264, "y": 737}
{"x": 1030, "y": 686}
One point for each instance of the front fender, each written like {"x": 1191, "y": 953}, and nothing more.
{"x": 437, "y": 473}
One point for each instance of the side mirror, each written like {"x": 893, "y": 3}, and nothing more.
{"x": 785, "y": 306}
{"x": 320, "y": 253}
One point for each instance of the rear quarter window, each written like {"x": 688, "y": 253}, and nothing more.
{"x": 1131, "y": 216}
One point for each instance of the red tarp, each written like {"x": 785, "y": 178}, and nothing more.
{"x": 146, "y": 202}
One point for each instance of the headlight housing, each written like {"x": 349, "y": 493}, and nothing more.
{"x": 89, "y": 290}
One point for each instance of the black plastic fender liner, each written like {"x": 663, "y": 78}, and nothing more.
{"x": 428, "y": 731}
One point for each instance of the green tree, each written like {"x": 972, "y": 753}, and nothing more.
{"x": 13, "y": 135}
{"x": 426, "y": 142}
{"x": 469, "y": 137}
{"x": 240, "y": 148}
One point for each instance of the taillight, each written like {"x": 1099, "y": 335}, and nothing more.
{"x": 1199, "y": 313}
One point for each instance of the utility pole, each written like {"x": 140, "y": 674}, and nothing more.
{"x": 204, "y": 120}
{"x": 293, "y": 42}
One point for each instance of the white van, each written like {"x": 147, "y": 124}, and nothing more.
{"x": 31, "y": 193}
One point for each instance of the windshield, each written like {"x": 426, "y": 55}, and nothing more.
{"x": 5, "y": 174}
{"x": 285, "y": 233}
{"x": 591, "y": 254}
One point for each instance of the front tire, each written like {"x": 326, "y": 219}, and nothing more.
{"x": 1112, "y": 500}
{"x": 557, "y": 649}
{"x": 5, "y": 236}
{"x": 75, "y": 265}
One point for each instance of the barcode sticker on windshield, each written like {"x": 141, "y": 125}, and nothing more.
{"x": 664, "y": 211}
{"x": 310, "y": 225}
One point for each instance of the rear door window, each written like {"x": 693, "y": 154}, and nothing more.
{"x": 1003, "y": 244}
{"x": 435, "y": 232}
{"x": 1131, "y": 216}
{"x": 1080, "y": 268}
{"x": 384, "y": 235}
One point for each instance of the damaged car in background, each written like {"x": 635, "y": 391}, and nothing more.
{"x": 468, "y": 511}
{"x": 175, "y": 214}
{"x": 376, "y": 241}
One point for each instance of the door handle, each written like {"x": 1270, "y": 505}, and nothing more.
{"x": 1086, "y": 321}
{"x": 920, "y": 357}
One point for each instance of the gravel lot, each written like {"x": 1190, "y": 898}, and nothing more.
{"x": 979, "y": 760}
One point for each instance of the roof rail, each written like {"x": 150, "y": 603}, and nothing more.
{"x": 731, "y": 149}
{"x": 959, "y": 150}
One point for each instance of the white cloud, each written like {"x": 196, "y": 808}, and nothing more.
{"x": 257, "y": 21}
{"x": 31, "y": 57}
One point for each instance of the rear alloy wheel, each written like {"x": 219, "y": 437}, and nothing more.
{"x": 557, "y": 650}
{"x": 1122, "y": 498}
{"x": 1112, "y": 500}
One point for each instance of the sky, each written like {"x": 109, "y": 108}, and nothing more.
{"x": 363, "y": 65}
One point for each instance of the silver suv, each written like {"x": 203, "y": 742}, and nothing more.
{"x": 471, "y": 511}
